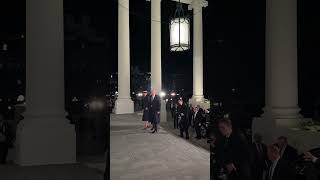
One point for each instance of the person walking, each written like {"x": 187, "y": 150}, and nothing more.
{"x": 183, "y": 119}
{"x": 154, "y": 110}
{"x": 197, "y": 119}
{"x": 146, "y": 102}
{"x": 175, "y": 118}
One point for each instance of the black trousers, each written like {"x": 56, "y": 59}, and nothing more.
{"x": 184, "y": 128}
{"x": 175, "y": 122}
{"x": 155, "y": 121}
{"x": 198, "y": 130}
{"x": 3, "y": 152}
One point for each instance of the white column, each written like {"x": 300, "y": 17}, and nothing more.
{"x": 281, "y": 110}
{"x": 45, "y": 135}
{"x": 197, "y": 51}
{"x": 281, "y": 62}
{"x": 156, "y": 80}
{"x": 124, "y": 104}
{"x": 156, "y": 75}
{"x": 197, "y": 5}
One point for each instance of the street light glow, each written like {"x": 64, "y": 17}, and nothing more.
{"x": 162, "y": 94}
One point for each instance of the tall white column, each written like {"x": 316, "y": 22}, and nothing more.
{"x": 281, "y": 62}
{"x": 281, "y": 116}
{"x": 124, "y": 104}
{"x": 197, "y": 51}
{"x": 197, "y": 5}
{"x": 156, "y": 77}
{"x": 45, "y": 135}
{"x": 156, "y": 67}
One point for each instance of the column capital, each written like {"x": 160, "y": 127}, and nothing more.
{"x": 196, "y": 4}
{"x": 124, "y": 3}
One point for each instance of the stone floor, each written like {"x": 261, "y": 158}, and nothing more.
{"x": 136, "y": 154}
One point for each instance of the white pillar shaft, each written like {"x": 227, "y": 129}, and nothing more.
{"x": 123, "y": 50}
{"x": 197, "y": 51}
{"x": 156, "y": 45}
{"x": 281, "y": 54}
{"x": 45, "y": 135}
{"x": 124, "y": 104}
{"x": 45, "y": 57}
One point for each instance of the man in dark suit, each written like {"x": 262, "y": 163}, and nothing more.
{"x": 259, "y": 152}
{"x": 287, "y": 152}
{"x": 197, "y": 118}
{"x": 233, "y": 152}
{"x": 182, "y": 115}
{"x": 279, "y": 168}
{"x": 154, "y": 110}
{"x": 190, "y": 114}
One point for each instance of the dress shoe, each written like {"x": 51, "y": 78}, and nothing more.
{"x": 155, "y": 131}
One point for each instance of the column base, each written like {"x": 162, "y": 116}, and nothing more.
{"x": 163, "y": 111}
{"x": 285, "y": 117}
{"x": 124, "y": 106}
{"x": 200, "y": 100}
{"x": 44, "y": 140}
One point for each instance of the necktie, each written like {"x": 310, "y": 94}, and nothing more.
{"x": 270, "y": 172}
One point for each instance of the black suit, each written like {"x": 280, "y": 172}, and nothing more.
{"x": 282, "y": 171}
{"x": 290, "y": 154}
{"x": 236, "y": 150}
{"x": 182, "y": 115}
{"x": 259, "y": 152}
{"x": 197, "y": 118}
{"x": 155, "y": 107}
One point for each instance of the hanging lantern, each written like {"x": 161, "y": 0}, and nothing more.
{"x": 179, "y": 30}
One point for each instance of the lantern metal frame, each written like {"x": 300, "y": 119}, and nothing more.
{"x": 179, "y": 18}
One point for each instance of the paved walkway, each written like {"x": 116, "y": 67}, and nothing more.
{"x": 136, "y": 154}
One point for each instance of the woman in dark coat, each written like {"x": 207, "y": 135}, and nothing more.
{"x": 146, "y": 102}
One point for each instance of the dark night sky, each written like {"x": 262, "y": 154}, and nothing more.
{"x": 238, "y": 62}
